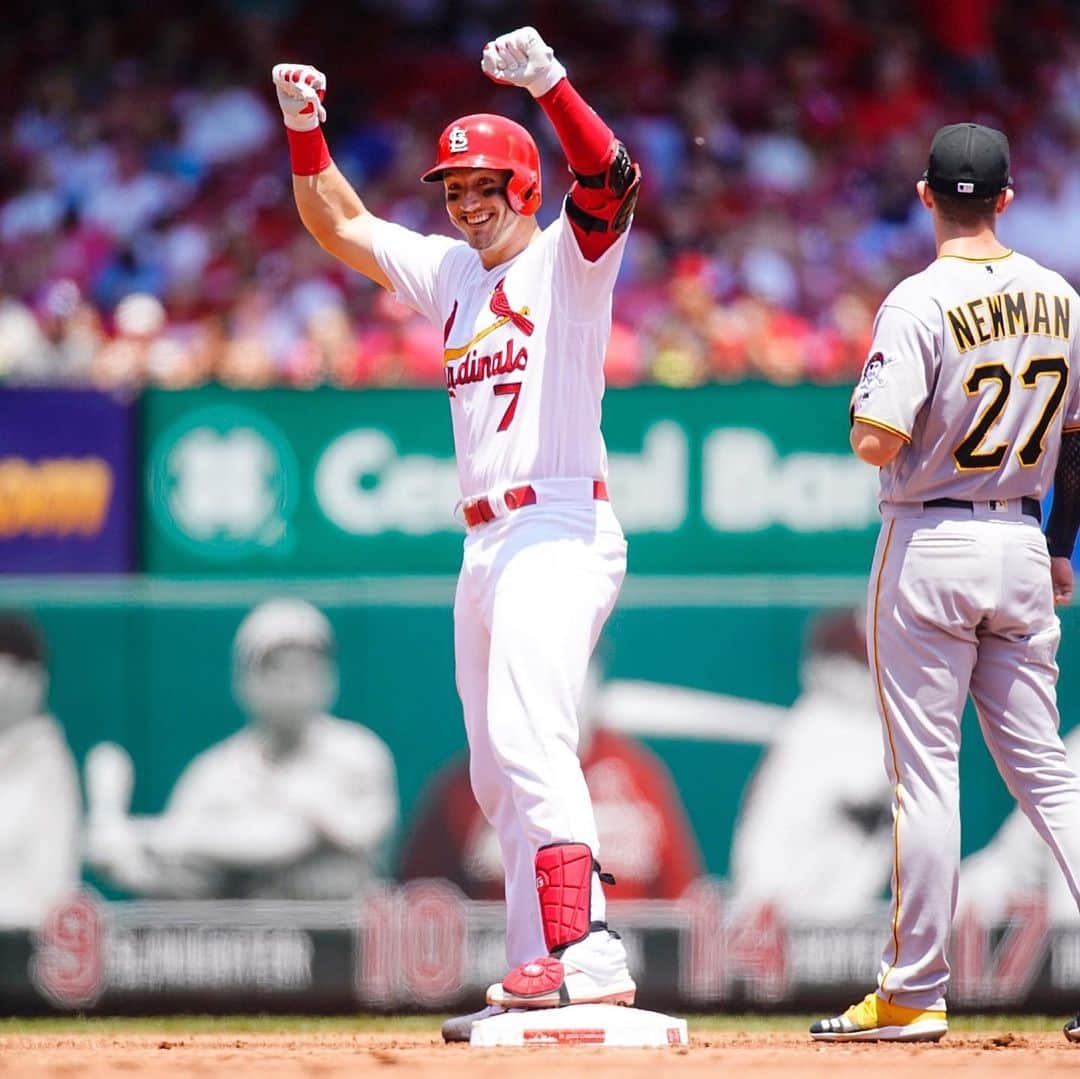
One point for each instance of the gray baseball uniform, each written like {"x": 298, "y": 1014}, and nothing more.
{"x": 973, "y": 363}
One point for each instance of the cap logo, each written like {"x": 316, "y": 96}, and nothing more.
{"x": 965, "y": 188}
{"x": 459, "y": 140}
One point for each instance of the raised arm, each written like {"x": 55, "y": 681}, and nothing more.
{"x": 602, "y": 197}
{"x": 329, "y": 206}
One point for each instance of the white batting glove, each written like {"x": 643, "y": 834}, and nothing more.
{"x": 300, "y": 90}
{"x": 522, "y": 58}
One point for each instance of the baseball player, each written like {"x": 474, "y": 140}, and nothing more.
{"x": 970, "y": 405}
{"x": 525, "y": 315}
{"x": 297, "y": 805}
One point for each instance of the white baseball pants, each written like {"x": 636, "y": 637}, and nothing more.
{"x": 535, "y": 589}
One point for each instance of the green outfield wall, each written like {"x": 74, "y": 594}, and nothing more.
{"x": 146, "y": 664}
{"x": 746, "y": 478}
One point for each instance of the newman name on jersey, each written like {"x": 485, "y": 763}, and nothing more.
{"x": 1008, "y": 314}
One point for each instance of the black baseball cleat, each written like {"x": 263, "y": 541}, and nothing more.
{"x": 1072, "y": 1028}
{"x": 459, "y": 1027}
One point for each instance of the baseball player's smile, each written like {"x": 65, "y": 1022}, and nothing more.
{"x": 476, "y": 201}
{"x": 477, "y": 226}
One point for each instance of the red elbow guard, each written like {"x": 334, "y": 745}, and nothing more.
{"x": 604, "y": 202}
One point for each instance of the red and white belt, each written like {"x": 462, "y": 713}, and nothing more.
{"x": 478, "y": 511}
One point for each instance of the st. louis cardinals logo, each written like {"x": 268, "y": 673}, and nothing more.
{"x": 477, "y": 368}
{"x": 459, "y": 140}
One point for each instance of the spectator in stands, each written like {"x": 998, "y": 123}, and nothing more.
{"x": 137, "y": 160}
{"x": 21, "y": 340}
{"x": 398, "y": 347}
{"x": 73, "y": 335}
{"x": 327, "y": 352}
{"x": 129, "y": 359}
{"x": 679, "y": 342}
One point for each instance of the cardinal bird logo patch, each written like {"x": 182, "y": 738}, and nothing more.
{"x": 500, "y": 307}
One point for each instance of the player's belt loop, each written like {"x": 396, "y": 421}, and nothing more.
{"x": 516, "y": 497}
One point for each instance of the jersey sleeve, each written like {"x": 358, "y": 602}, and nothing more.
{"x": 897, "y": 377}
{"x": 413, "y": 263}
{"x": 584, "y": 287}
{"x": 1071, "y": 418}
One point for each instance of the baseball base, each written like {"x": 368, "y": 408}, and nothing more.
{"x": 581, "y": 1024}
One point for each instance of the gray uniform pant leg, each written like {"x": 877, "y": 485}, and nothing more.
{"x": 1014, "y": 688}
{"x": 922, "y": 654}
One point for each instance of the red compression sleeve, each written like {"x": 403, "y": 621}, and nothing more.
{"x": 585, "y": 138}
{"x": 308, "y": 151}
{"x": 588, "y": 143}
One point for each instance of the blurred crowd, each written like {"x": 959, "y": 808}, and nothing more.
{"x": 148, "y": 233}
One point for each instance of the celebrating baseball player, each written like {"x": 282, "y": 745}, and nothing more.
{"x": 525, "y": 315}
{"x": 970, "y": 405}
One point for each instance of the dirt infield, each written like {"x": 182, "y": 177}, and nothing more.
{"x": 326, "y": 1056}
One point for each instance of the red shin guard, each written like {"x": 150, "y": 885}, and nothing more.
{"x": 564, "y": 874}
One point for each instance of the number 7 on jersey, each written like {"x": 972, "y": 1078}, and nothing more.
{"x": 513, "y": 391}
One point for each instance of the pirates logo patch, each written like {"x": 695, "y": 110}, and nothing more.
{"x": 873, "y": 377}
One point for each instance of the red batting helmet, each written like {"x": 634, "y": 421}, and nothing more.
{"x": 486, "y": 141}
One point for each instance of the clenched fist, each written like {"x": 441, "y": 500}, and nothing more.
{"x": 300, "y": 90}
{"x": 522, "y": 58}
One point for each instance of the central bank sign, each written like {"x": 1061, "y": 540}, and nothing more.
{"x": 228, "y": 483}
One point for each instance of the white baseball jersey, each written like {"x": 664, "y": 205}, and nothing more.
{"x": 524, "y": 347}
{"x": 970, "y": 362}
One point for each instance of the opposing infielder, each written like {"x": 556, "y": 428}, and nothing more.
{"x": 968, "y": 402}
{"x": 525, "y": 315}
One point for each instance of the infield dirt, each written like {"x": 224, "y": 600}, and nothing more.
{"x": 326, "y": 1056}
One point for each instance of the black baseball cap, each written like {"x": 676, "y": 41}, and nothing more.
{"x": 968, "y": 159}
